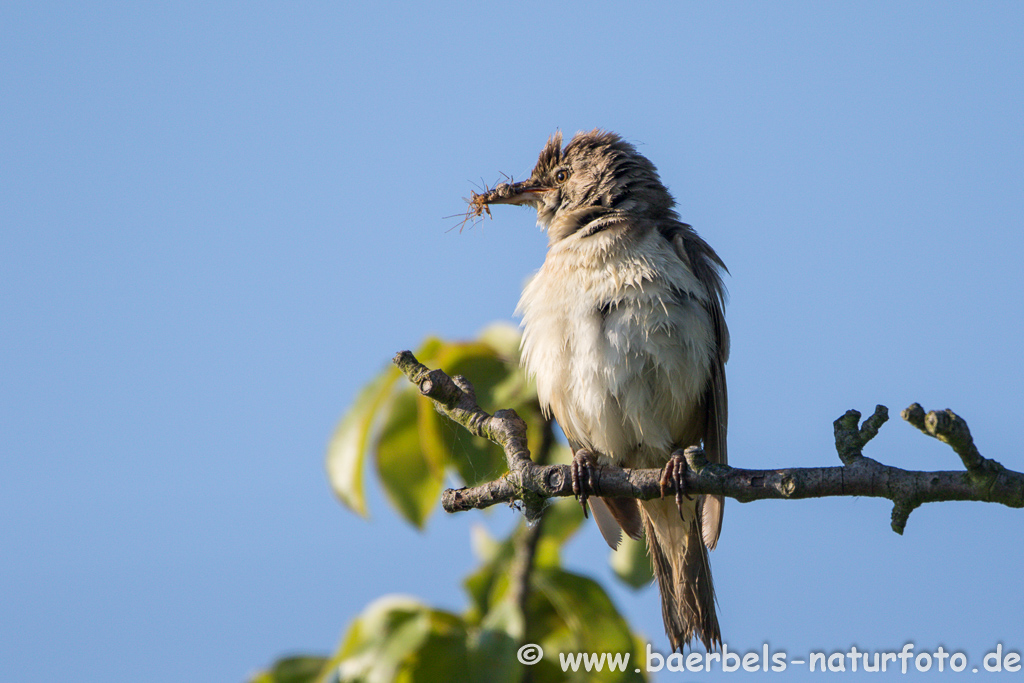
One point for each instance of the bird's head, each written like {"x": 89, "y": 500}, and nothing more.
{"x": 595, "y": 181}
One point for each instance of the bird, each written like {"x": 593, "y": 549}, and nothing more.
{"x": 625, "y": 337}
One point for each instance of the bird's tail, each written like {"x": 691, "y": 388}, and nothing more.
{"x": 681, "y": 566}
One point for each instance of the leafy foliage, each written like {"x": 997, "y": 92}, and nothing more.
{"x": 398, "y": 638}
{"x": 412, "y": 445}
{"x": 414, "y": 449}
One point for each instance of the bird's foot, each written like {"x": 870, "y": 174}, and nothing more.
{"x": 674, "y": 477}
{"x": 583, "y": 479}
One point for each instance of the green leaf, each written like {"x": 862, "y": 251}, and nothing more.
{"x": 348, "y": 447}
{"x": 427, "y": 351}
{"x": 399, "y": 639}
{"x": 504, "y": 339}
{"x": 485, "y": 546}
{"x": 409, "y": 479}
{"x": 479, "y": 363}
{"x": 476, "y": 459}
{"x": 591, "y": 622}
{"x": 380, "y": 638}
{"x": 487, "y": 585}
{"x": 442, "y": 655}
{"x": 433, "y": 431}
{"x": 298, "y": 669}
{"x": 415, "y": 446}
{"x": 492, "y": 653}
{"x": 359, "y": 428}
{"x": 631, "y": 563}
{"x": 562, "y": 519}
{"x": 515, "y": 391}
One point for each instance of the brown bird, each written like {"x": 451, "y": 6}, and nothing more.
{"x": 625, "y": 336}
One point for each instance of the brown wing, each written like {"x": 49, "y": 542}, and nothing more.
{"x": 705, "y": 264}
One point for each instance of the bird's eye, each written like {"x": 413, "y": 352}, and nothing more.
{"x": 562, "y": 175}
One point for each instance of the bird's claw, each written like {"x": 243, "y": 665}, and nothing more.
{"x": 674, "y": 477}
{"x": 583, "y": 480}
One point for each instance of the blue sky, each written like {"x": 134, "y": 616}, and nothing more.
{"x": 218, "y": 220}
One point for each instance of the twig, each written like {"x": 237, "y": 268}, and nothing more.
{"x": 984, "y": 480}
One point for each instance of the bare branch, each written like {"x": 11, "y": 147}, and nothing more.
{"x": 984, "y": 480}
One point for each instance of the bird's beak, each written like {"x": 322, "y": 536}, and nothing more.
{"x": 525, "y": 192}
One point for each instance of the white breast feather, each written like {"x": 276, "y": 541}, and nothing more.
{"x": 625, "y": 383}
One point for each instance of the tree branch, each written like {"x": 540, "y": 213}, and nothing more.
{"x": 526, "y": 540}
{"x": 984, "y": 480}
